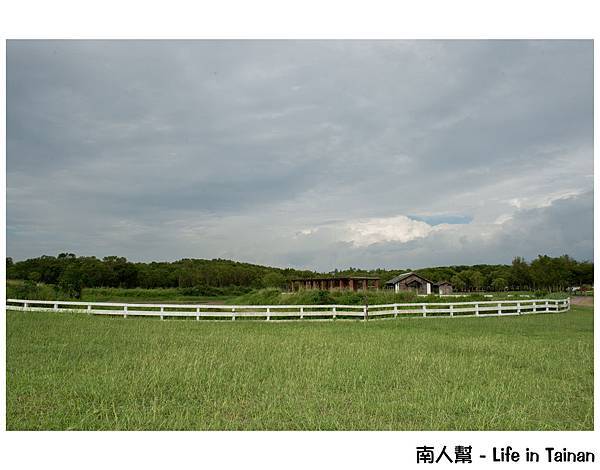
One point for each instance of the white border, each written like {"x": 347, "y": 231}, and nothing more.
{"x": 300, "y": 19}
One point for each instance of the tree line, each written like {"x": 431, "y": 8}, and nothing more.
{"x": 72, "y": 273}
{"x": 542, "y": 273}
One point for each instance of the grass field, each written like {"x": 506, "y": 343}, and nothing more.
{"x": 69, "y": 371}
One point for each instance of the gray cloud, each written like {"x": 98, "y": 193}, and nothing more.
{"x": 299, "y": 152}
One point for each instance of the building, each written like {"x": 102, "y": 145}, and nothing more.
{"x": 408, "y": 282}
{"x": 442, "y": 288}
{"x": 335, "y": 283}
{"x": 413, "y": 282}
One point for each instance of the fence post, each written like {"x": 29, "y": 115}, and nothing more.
{"x": 476, "y": 310}
{"x": 233, "y": 313}
{"x": 125, "y": 311}
{"x": 424, "y": 310}
{"x": 162, "y": 310}
{"x": 518, "y": 308}
{"x": 268, "y": 313}
{"x": 56, "y": 307}
{"x": 334, "y": 313}
{"x": 395, "y": 310}
{"x": 197, "y": 313}
{"x": 547, "y": 307}
{"x": 89, "y": 309}
{"x": 556, "y": 305}
{"x": 451, "y": 310}
{"x": 365, "y": 313}
{"x": 25, "y": 305}
{"x": 301, "y": 313}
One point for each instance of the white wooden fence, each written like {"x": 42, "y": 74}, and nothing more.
{"x": 297, "y": 312}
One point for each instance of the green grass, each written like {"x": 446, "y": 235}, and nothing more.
{"x": 70, "y": 371}
{"x": 17, "y": 289}
{"x": 374, "y": 297}
{"x": 115, "y": 294}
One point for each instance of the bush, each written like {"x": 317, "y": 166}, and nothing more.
{"x": 261, "y": 297}
{"x": 346, "y": 297}
{"x": 273, "y": 279}
{"x": 210, "y": 291}
{"x": 31, "y": 290}
{"x": 312, "y": 297}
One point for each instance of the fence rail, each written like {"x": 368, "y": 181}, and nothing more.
{"x": 299, "y": 312}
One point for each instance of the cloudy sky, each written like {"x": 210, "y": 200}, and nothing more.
{"x": 310, "y": 154}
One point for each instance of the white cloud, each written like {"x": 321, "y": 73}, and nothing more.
{"x": 389, "y": 229}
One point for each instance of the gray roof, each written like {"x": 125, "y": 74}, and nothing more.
{"x": 397, "y": 279}
{"x": 335, "y": 278}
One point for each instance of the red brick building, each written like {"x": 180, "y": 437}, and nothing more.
{"x": 353, "y": 283}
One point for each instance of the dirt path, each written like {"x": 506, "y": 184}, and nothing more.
{"x": 582, "y": 300}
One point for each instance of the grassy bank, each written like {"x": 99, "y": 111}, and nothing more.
{"x": 239, "y": 296}
{"x": 40, "y": 291}
{"x": 372, "y": 297}
{"x": 113, "y": 294}
{"x": 68, "y": 371}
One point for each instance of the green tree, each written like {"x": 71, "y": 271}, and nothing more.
{"x": 520, "y": 275}
{"x": 543, "y": 273}
{"x": 473, "y": 279}
{"x": 70, "y": 282}
{"x": 477, "y": 280}
{"x": 499, "y": 284}
{"x": 273, "y": 280}
{"x": 458, "y": 283}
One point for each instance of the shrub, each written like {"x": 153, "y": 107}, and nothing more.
{"x": 261, "y": 297}
{"x": 31, "y": 290}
